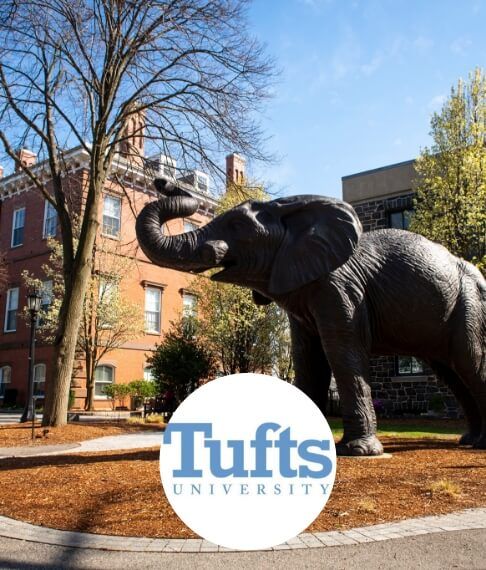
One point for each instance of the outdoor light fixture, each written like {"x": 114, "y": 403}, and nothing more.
{"x": 34, "y": 299}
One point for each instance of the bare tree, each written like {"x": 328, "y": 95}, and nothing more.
{"x": 75, "y": 72}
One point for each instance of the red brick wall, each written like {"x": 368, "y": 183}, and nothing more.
{"x": 128, "y": 361}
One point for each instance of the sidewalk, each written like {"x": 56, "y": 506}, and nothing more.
{"x": 108, "y": 443}
{"x": 470, "y": 519}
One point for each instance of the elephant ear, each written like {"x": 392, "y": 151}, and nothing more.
{"x": 320, "y": 235}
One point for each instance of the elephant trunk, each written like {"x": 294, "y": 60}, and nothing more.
{"x": 183, "y": 251}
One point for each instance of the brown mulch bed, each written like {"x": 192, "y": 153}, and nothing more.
{"x": 13, "y": 435}
{"x": 120, "y": 492}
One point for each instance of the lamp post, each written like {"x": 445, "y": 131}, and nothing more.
{"x": 33, "y": 305}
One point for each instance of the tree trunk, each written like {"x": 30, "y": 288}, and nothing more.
{"x": 89, "y": 406}
{"x": 57, "y": 397}
{"x": 70, "y": 315}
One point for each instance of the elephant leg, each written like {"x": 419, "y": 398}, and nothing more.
{"x": 474, "y": 381}
{"x": 312, "y": 370}
{"x": 350, "y": 366}
{"x": 465, "y": 399}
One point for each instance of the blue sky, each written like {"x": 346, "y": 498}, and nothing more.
{"x": 359, "y": 81}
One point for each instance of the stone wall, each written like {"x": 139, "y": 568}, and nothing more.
{"x": 374, "y": 214}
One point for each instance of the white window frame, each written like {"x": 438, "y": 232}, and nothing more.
{"x": 9, "y": 309}
{"x": 15, "y": 215}
{"x": 37, "y": 392}
{"x": 112, "y": 368}
{"x": 103, "y": 230}
{"x": 189, "y": 309}
{"x": 148, "y": 374}
{"x": 3, "y": 382}
{"x": 159, "y": 292}
{"x": 50, "y": 219}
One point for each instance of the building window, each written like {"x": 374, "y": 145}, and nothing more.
{"x": 148, "y": 374}
{"x": 5, "y": 378}
{"x": 111, "y": 216}
{"x": 409, "y": 366}
{"x": 400, "y": 220}
{"x": 18, "y": 223}
{"x": 202, "y": 183}
{"x": 189, "y": 226}
{"x": 152, "y": 309}
{"x": 11, "y": 309}
{"x": 104, "y": 375}
{"x": 39, "y": 380}
{"x": 189, "y": 305}
{"x": 50, "y": 220}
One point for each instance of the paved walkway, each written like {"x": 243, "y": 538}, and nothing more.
{"x": 107, "y": 443}
{"x": 459, "y": 549}
{"x": 460, "y": 521}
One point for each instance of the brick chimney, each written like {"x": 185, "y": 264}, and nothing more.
{"x": 133, "y": 144}
{"x": 235, "y": 169}
{"x": 26, "y": 157}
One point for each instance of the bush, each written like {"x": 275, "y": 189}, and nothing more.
{"x": 117, "y": 392}
{"x": 180, "y": 362}
{"x": 142, "y": 389}
{"x": 154, "y": 419}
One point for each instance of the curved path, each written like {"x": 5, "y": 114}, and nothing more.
{"x": 464, "y": 520}
{"x": 108, "y": 443}
{"x": 455, "y": 523}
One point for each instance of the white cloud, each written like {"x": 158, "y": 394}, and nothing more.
{"x": 375, "y": 63}
{"x": 460, "y": 46}
{"x": 423, "y": 43}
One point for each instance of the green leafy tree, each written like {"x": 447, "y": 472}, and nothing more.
{"x": 180, "y": 362}
{"x": 450, "y": 199}
{"x": 109, "y": 319}
{"x": 243, "y": 336}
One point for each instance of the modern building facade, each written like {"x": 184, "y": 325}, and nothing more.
{"x": 383, "y": 198}
{"x": 28, "y": 221}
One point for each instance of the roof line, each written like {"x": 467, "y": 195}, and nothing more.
{"x": 373, "y": 170}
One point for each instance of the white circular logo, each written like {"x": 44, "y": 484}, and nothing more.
{"x": 247, "y": 461}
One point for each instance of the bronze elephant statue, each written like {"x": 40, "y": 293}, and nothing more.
{"x": 348, "y": 295}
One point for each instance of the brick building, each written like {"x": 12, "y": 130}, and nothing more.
{"x": 27, "y": 220}
{"x": 383, "y": 198}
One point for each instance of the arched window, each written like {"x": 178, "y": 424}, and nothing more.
{"x": 148, "y": 374}
{"x": 39, "y": 380}
{"x": 104, "y": 375}
{"x": 5, "y": 378}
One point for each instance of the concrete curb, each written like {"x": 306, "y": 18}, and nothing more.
{"x": 463, "y": 520}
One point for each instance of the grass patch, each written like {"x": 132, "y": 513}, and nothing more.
{"x": 148, "y": 419}
{"x": 367, "y": 506}
{"x": 410, "y": 428}
{"x": 444, "y": 488}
